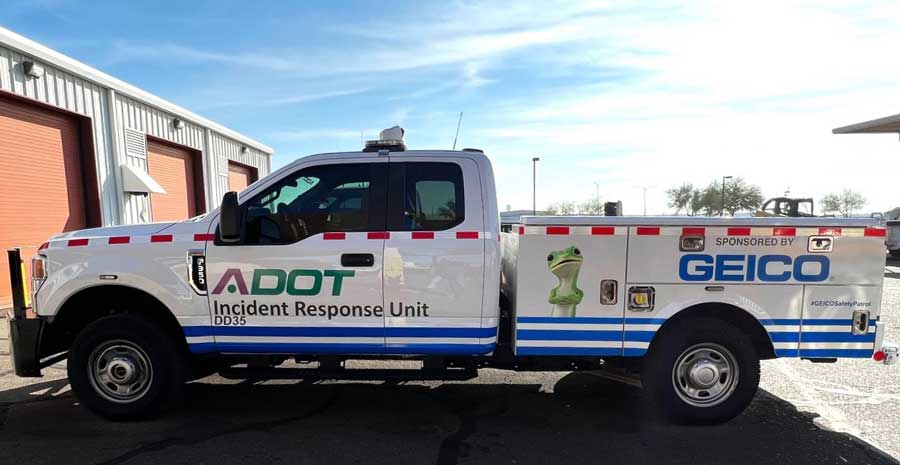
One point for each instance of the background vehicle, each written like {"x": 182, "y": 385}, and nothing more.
{"x": 787, "y": 206}
{"x": 397, "y": 254}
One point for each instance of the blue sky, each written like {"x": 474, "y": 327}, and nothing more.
{"x": 624, "y": 95}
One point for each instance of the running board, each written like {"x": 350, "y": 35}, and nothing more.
{"x": 350, "y": 374}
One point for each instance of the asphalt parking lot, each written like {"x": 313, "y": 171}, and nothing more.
{"x": 847, "y": 412}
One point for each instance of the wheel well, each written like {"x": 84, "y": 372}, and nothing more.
{"x": 93, "y": 303}
{"x": 730, "y": 314}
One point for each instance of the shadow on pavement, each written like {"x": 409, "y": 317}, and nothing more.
{"x": 587, "y": 419}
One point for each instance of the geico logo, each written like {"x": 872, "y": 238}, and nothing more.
{"x": 270, "y": 281}
{"x": 745, "y": 268}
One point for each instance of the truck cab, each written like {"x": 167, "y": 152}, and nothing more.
{"x": 358, "y": 253}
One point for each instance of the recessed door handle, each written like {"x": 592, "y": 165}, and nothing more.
{"x": 357, "y": 259}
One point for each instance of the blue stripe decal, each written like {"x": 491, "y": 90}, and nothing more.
{"x": 611, "y": 351}
{"x": 836, "y": 353}
{"x": 325, "y": 348}
{"x": 202, "y": 347}
{"x": 826, "y": 321}
{"x": 325, "y": 331}
{"x": 787, "y": 353}
{"x": 569, "y": 320}
{"x": 645, "y": 321}
{"x": 641, "y": 336}
{"x": 570, "y": 335}
{"x": 589, "y": 320}
{"x": 785, "y": 336}
{"x": 837, "y": 337}
{"x": 297, "y": 348}
{"x": 779, "y": 321}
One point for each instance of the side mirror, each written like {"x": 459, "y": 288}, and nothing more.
{"x": 230, "y": 218}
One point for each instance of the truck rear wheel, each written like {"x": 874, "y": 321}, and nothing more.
{"x": 703, "y": 371}
{"x": 124, "y": 367}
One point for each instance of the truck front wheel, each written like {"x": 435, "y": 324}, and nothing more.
{"x": 702, "y": 371}
{"x": 121, "y": 367}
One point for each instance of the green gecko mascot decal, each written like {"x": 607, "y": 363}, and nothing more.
{"x": 565, "y": 265}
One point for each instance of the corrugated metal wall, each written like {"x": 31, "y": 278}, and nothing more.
{"x": 223, "y": 149}
{"x": 74, "y": 94}
{"x": 131, "y": 118}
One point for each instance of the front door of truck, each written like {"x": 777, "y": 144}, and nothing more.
{"x": 307, "y": 275}
{"x": 434, "y": 259}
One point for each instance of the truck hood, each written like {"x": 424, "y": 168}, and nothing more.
{"x": 126, "y": 230}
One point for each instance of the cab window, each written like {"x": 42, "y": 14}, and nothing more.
{"x": 426, "y": 196}
{"x": 318, "y": 199}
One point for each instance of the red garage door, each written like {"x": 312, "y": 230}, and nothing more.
{"x": 176, "y": 169}
{"x": 240, "y": 176}
{"x": 41, "y": 181}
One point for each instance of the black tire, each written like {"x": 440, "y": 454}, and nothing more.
{"x": 693, "y": 344}
{"x": 122, "y": 345}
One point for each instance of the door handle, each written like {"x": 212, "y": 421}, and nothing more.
{"x": 357, "y": 259}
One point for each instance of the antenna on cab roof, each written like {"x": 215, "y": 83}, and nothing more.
{"x": 458, "y": 123}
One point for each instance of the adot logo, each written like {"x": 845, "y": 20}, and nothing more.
{"x": 270, "y": 281}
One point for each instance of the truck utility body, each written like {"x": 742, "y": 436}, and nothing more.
{"x": 389, "y": 253}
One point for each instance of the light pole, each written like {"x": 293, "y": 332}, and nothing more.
{"x": 597, "y": 185}
{"x": 534, "y": 185}
{"x": 722, "y": 212}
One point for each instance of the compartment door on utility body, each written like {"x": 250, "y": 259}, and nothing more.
{"x": 434, "y": 258}
{"x": 307, "y": 275}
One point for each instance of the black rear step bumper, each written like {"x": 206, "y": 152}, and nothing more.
{"x": 25, "y": 345}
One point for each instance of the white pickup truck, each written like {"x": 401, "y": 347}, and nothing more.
{"x": 396, "y": 254}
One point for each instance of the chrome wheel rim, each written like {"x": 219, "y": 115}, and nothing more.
{"x": 120, "y": 371}
{"x": 705, "y": 375}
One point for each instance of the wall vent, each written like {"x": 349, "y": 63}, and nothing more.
{"x": 135, "y": 144}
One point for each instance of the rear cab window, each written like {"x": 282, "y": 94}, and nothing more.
{"x": 425, "y": 196}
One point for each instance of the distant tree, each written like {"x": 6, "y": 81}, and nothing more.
{"x": 567, "y": 207}
{"x": 739, "y": 196}
{"x": 591, "y": 207}
{"x": 680, "y": 197}
{"x": 843, "y": 203}
{"x": 553, "y": 209}
{"x": 696, "y": 204}
{"x": 508, "y": 207}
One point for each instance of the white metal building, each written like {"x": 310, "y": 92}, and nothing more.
{"x": 80, "y": 148}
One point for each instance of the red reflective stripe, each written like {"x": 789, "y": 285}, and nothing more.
{"x": 204, "y": 237}
{"x": 693, "y": 231}
{"x": 738, "y": 231}
{"x": 784, "y": 231}
{"x": 379, "y": 235}
{"x": 119, "y": 239}
{"x": 648, "y": 231}
{"x": 874, "y": 232}
{"x": 422, "y": 235}
{"x": 161, "y": 238}
{"x": 467, "y": 235}
{"x": 334, "y": 236}
{"x": 830, "y": 231}
{"x": 521, "y": 230}
{"x": 77, "y": 242}
{"x": 603, "y": 231}
{"x": 557, "y": 230}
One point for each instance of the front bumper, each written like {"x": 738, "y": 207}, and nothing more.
{"x": 25, "y": 345}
